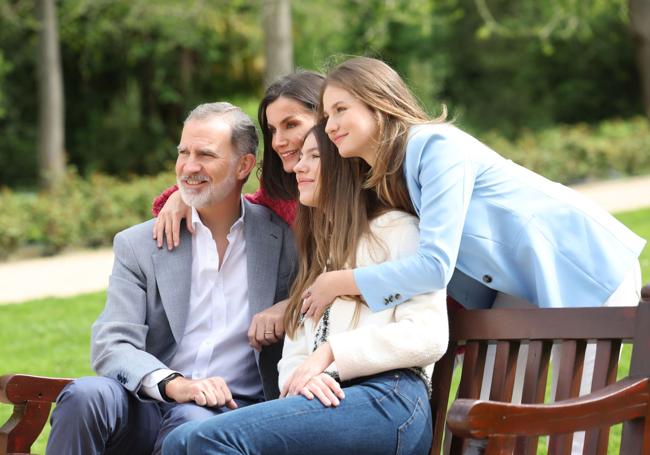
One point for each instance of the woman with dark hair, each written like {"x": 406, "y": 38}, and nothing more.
{"x": 285, "y": 113}
{"x": 356, "y": 381}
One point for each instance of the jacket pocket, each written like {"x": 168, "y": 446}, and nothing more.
{"x": 415, "y": 434}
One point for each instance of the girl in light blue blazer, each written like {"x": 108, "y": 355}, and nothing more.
{"x": 486, "y": 223}
{"x": 488, "y": 227}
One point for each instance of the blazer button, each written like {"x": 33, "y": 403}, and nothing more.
{"x": 487, "y": 279}
{"x": 398, "y": 296}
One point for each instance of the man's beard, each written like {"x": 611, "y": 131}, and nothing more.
{"x": 211, "y": 194}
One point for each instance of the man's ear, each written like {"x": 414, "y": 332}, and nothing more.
{"x": 245, "y": 166}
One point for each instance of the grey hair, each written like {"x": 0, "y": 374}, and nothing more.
{"x": 243, "y": 133}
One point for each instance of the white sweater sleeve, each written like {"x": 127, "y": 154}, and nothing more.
{"x": 419, "y": 333}
{"x": 294, "y": 353}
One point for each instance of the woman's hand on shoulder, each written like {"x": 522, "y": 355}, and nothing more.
{"x": 168, "y": 222}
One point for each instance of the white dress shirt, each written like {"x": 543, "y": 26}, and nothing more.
{"x": 215, "y": 341}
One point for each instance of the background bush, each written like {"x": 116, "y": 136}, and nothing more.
{"x": 575, "y": 153}
{"x": 83, "y": 212}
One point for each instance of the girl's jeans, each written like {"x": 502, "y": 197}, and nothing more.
{"x": 383, "y": 414}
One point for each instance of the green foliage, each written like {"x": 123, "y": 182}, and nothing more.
{"x": 82, "y": 212}
{"x": 569, "y": 154}
{"x": 47, "y": 337}
{"x": 133, "y": 69}
{"x": 496, "y": 81}
{"x": 5, "y": 67}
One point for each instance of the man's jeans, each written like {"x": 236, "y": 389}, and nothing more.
{"x": 96, "y": 415}
{"x": 383, "y": 414}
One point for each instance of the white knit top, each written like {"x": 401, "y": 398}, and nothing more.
{"x": 413, "y": 334}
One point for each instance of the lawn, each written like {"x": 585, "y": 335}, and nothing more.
{"x": 51, "y": 337}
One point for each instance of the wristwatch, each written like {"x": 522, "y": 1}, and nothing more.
{"x": 163, "y": 384}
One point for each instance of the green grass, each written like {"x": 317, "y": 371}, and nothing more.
{"x": 47, "y": 337}
{"x": 51, "y": 337}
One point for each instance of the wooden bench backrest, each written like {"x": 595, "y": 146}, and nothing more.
{"x": 539, "y": 329}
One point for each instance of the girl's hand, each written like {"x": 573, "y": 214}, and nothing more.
{"x": 323, "y": 291}
{"x": 325, "y": 388}
{"x": 313, "y": 366}
{"x": 168, "y": 222}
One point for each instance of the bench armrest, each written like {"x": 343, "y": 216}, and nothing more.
{"x": 32, "y": 397}
{"x": 618, "y": 402}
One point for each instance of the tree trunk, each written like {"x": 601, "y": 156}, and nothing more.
{"x": 640, "y": 25}
{"x": 51, "y": 140}
{"x": 278, "y": 43}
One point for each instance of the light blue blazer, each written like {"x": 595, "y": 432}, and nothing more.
{"x": 500, "y": 225}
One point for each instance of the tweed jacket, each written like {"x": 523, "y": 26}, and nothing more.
{"x": 414, "y": 334}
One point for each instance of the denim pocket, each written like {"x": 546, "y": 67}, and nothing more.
{"x": 415, "y": 434}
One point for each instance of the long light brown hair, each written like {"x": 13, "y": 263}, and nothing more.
{"x": 328, "y": 235}
{"x": 396, "y": 109}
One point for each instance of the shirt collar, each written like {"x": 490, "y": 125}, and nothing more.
{"x": 196, "y": 219}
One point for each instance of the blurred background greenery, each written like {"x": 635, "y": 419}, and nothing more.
{"x": 554, "y": 85}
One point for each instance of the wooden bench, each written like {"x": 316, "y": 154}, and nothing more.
{"x": 506, "y": 428}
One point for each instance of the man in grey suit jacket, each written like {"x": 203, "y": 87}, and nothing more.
{"x": 171, "y": 344}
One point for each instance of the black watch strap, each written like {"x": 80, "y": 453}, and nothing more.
{"x": 162, "y": 385}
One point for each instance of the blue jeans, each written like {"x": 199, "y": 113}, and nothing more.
{"x": 96, "y": 415}
{"x": 383, "y": 414}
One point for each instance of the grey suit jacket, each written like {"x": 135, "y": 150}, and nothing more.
{"x": 149, "y": 290}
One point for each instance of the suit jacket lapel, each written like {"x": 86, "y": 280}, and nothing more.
{"x": 263, "y": 247}
{"x": 173, "y": 271}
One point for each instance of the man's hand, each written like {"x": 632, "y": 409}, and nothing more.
{"x": 267, "y": 327}
{"x": 313, "y": 366}
{"x": 209, "y": 392}
{"x": 168, "y": 221}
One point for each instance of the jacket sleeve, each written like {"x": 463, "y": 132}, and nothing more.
{"x": 418, "y": 336}
{"x": 119, "y": 335}
{"x": 443, "y": 176}
{"x": 294, "y": 353}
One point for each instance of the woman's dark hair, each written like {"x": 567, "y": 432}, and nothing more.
{"x": 304, "y": 87}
